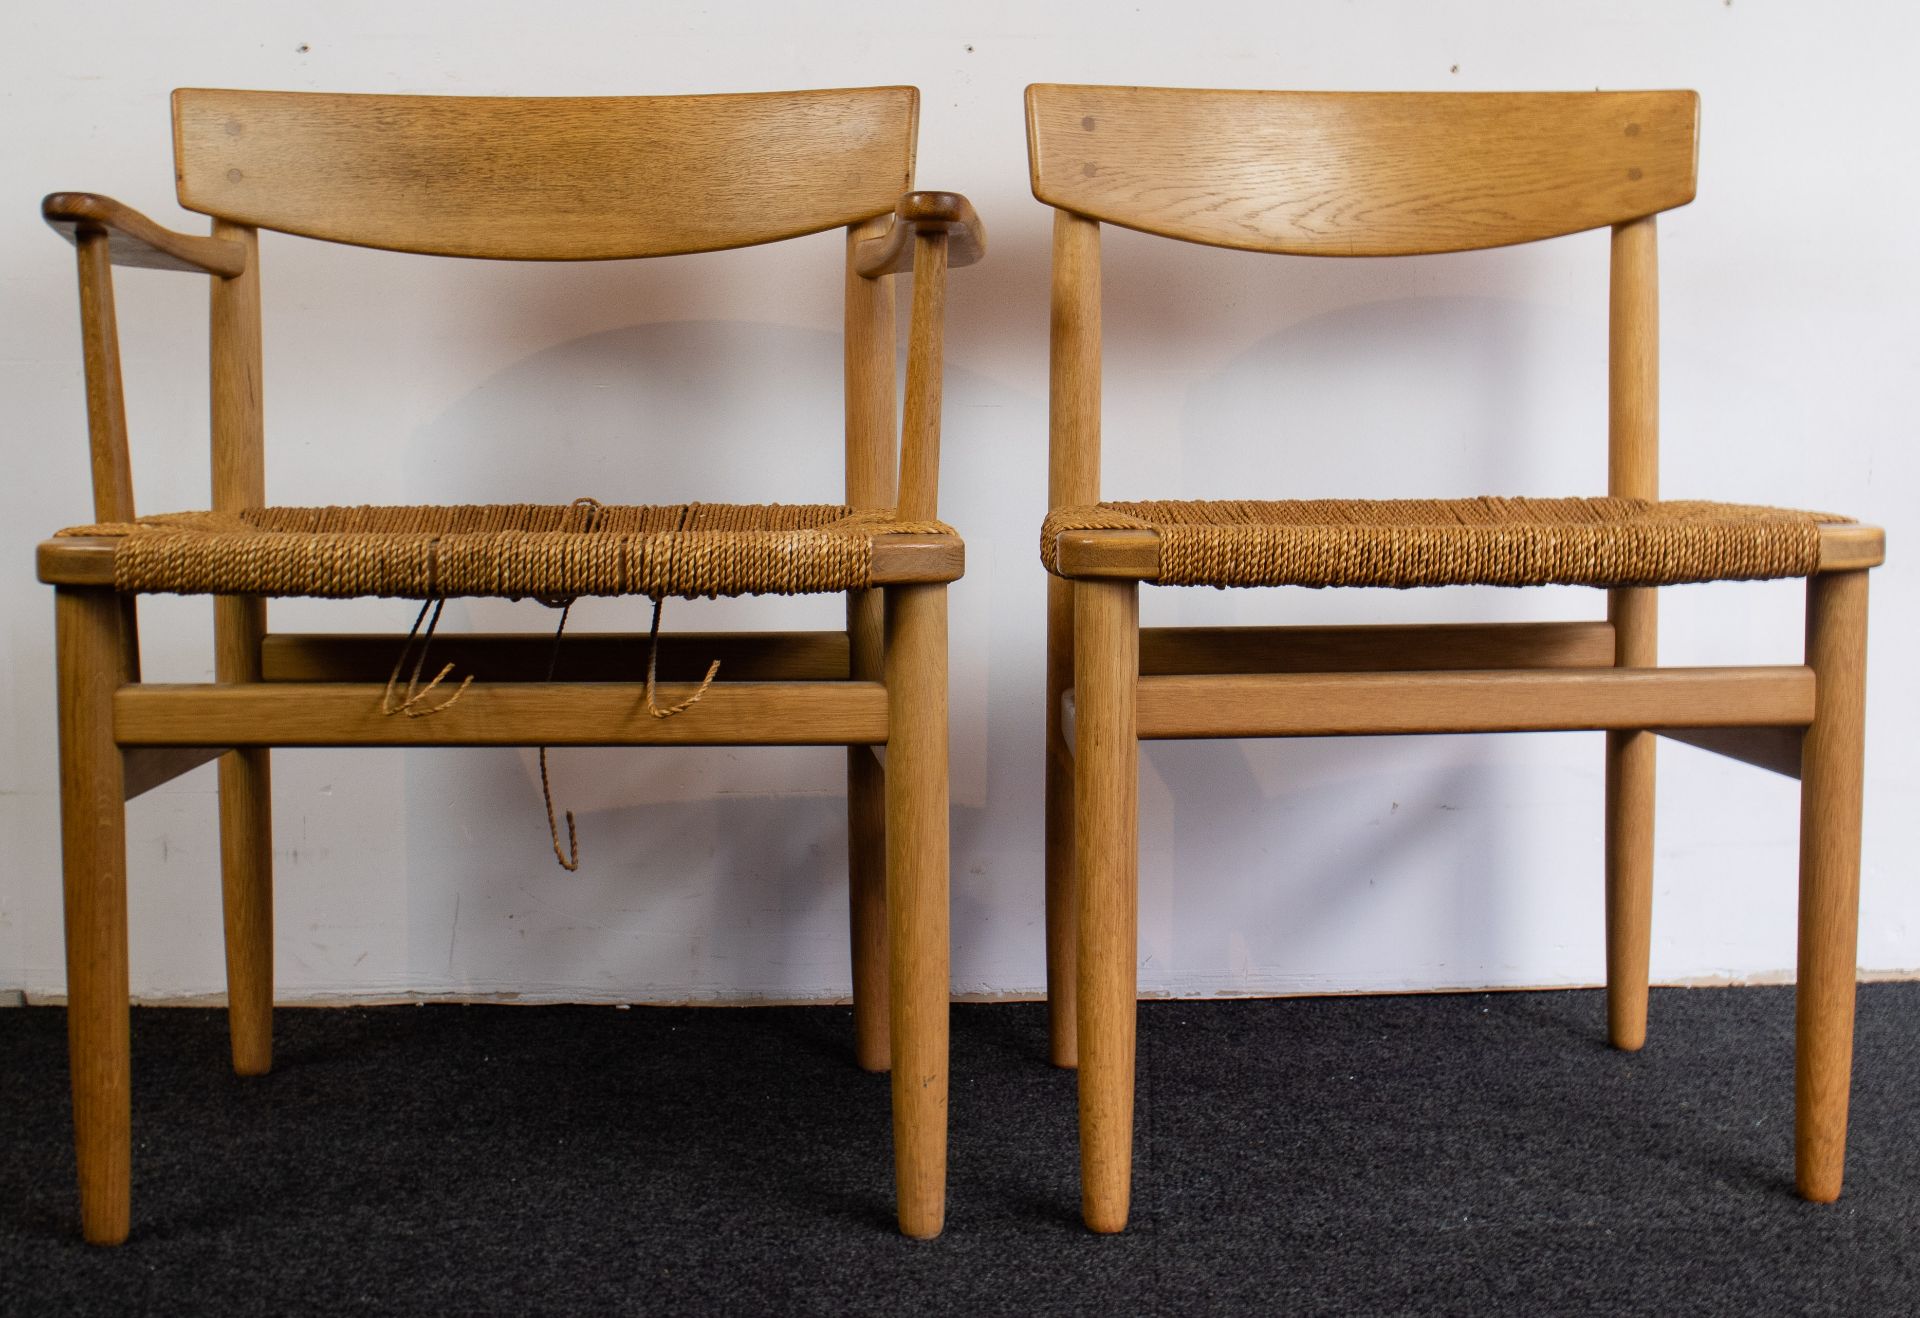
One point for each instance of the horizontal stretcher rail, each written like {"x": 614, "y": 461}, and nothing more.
{"x": 552, "y": 714}
{"x": 1376, "y": 648}
{"x": 1372, "y": 704}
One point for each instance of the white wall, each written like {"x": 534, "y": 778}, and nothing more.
{"x": 1266, "y": 867}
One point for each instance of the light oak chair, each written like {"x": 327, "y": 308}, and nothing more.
{"x": 1384, "y": 175}
{"x": 519, "y": 179}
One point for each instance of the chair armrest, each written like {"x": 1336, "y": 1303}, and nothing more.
{"x": 136, "y": 240}
{"x": 924, "y": 212}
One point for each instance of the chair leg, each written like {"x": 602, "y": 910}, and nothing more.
{"x": 1629, "y": 833}
{"x": 1830, "y": 787}
{"x": 246, "y": 884}
{"x": 917, "y": 912}
{"x": 93, "y": 839}
{"x": 1106, "y": 862}
{"x": 1063, "y": 897}
{"x": 867, "y": 902}
{"x": 246, "y": 850}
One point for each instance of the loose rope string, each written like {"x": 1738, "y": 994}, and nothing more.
{"x": 411, "y": 704}
{"x": 653, "y": 652}
{"x": 570, "y": 858}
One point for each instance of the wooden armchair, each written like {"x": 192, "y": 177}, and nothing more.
{"x": 542, "y": 180}
{"x": 1384, "y": 175}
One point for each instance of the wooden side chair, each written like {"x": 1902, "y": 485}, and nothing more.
{"x": 517, "y": 179}
{"x": 1384, "y": 175}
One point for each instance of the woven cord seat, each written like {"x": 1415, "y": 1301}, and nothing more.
{"x": 548, "y": 551}
{"x": 1458, "y": 542}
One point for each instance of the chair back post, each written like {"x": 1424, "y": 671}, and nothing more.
{"x": 1073, "y": 468}
{"x": 870, "y": 347}
{"x": 1633, "y": 363}
{"x": 919, "y": 495}
{"x": 239, "y": 450}
{"x": 1633, "y": 415}
{"x": 106, "y": 400}
{"x": 239, "y": 460}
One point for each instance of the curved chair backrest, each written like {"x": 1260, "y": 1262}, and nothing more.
{"x": 1360, "y": 173}
{"x": 574, "y": 178}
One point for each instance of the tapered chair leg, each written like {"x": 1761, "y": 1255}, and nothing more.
{"x": 867, "y": 844}
{"x": 917, "y": 913}
{"x": 246, "y": 850}
{"x": 867, "y": 905}
{"x": 1106, "y": 863}
{"x": 1830, "y": 785}
{"x": 94, "y": 859}
{"x": 1063, "y": 897}
{"x": 1629, "y": 836}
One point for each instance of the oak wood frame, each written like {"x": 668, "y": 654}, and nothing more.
{"x": 1217, "y": 170}
{"x": 880, "y": 683}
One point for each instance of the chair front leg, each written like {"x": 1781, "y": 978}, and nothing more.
{"x": 1830, "y": 783}
{"x": 1106, "y": 864}
{"x": 246, "y": 850}
{"x": 93, "y": 834}
{"x": 917, "y": 910}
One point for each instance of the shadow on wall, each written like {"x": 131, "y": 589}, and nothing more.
{"x": 721, "y": 872}
{"x": 1413, "y": 397}
{"x": 1393, "y": 857}
{"x": 653, "y": 413}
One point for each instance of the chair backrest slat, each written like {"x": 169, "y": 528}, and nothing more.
{"x": 575, "y": 178}
{"x": 1360, "y": 173}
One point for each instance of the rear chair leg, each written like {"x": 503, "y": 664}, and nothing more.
{"x": 1830, "y": 784}
{"x": 867, "y": 843}
{"x": 92, "y": 664}
{"x": 917, "y": 914}
{"x": 1629, "y": 834}
{"x": 246, "y": 850}
{"x": 867, "y": 899}
{"x": 1106, "y": 860}
{"x": 1063, "y": 896}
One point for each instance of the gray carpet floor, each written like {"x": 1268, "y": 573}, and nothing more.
{"x": 1480, "y": 1153}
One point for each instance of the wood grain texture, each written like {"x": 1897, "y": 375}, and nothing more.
{"x": 1633, "y": 472}
{"x": 553, "y": 714}
{"x": 917, "y": 900}
{"x": 533, "y": 178}
{"x": 948, "y": 213}
{"x": 1360, "y": 173}
{"x": 239, "y": 622}
{"x": 246, "y": 847}
{"x": 919, "y": 492}
{"x": 1073, "y": 477}
{"x": 1374, "y": 704}
{"x": 1106, "y": 860}
{"x": 135, "y": 240}
{"x": 1831, "y": 780}
{"x": 1379, "y": 648}
{"x": 93, "y": 847}
{"x": 871, "y": 452}
{"x": 106, "y": 399}
{"x": 1850, "y": 547}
